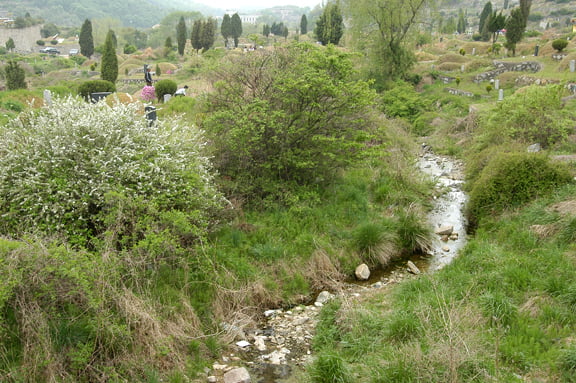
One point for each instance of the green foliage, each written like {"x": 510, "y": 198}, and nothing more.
{"x": 10, "y": 45}
{"x": 559, "y": 44}
{"x": 498, "y": 309}
{"x": 534, "y": 115}
{"x": 109, "y": 70}
{"x": 512, "y": 179}
{"x": 403, "y": 326}
{"x": 330, "y": 368}
{"x": 568, "y": 364}
{"x": 303, "y": 25}
{"x": 226, "y": 28}
{"x": 181, "y": 35}
{"x": 62, "y": 165}
{"x": 327, "y": 331}
{"x": 86, "y": 40}
{"x": 330, "y": 25}
{"x": 163, "y": 87}
{"x": 15, "y": 76}
{"x": 40, "y": 43}
{"x": 403, "y": 101}
{"x": 515, "y": 27}
{"x": 484, "y": 16}
{"x": 272, "y": 127}
{"x": 235, "y": 28}
{"x": 376, "y": 242}
{"x": 95, "y": 86}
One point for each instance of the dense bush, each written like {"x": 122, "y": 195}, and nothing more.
{"x": 512, "y": 179}
{"x": 403, "y": 101}
{"x": 165, "y": 87}
{"x": 288, "y": 118}
{"x": 535, "y": 114}
{"x": 559, "y": 44}
{"x": 94, "y": 86}
{"x": 67, "y": 168}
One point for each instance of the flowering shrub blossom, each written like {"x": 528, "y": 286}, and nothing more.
{"x": 61, "y": 163}
{"x": 148, "y": 93}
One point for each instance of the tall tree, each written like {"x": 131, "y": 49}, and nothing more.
{"x": 235, "y": 28}
{"x": 330, "y": 26}
{"x": 181, "y": 35}
{"x": 303, "y": 25}
{"x": 86, "y": 40}
{"x": 515, "y": 27}
{"x": 382, "y": 28}
{"x": 525, "y": 8}
{"x": 109, "y": 69}
{"x": 196, "y": 35}
{"x": 208, "y": 35}
{"x": 486, "y": 12}
{"x": 10, "y": 45}
{"x": 462, "y": 24}
{"x": 15, "y": 76}
{"x": 226, "y": 29}
{"x": 266, "y": 30}
{"x": 496, "y": 23}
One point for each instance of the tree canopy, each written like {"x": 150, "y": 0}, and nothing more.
{"x": 86, "y": 40}
{"x": 181, "y": 35}
{"x": 235, "y": 28}
{"x": 330, "y": 26}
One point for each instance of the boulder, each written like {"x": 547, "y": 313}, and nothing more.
{"x": 362, "y": 272}
{"x": 237, "y": 375}
{"x": 445, "y": 230}
{"x": 413, "y": 268}
{"x": 324, "y": 297}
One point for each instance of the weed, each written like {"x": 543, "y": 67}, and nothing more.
{"x": 329, "y": 368}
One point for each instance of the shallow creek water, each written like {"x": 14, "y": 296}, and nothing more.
{"x": 282, "y": 343}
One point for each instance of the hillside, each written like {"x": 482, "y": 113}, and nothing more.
{"x": 135, "y": 13}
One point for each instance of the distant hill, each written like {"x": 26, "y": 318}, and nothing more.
{"x": 133, "y": 13}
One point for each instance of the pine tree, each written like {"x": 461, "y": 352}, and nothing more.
{"x": 86, "y": 40}
{"x": 486, "y": 12}
{"x": 330, "y": 26}
{"x": 226, "y": 29}
{"x": 236, "y": 28}
{"x": 109, "y": 69}
{"x": 303, "y": 25}
{"x": 181, "y": 35}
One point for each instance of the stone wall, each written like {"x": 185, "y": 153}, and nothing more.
{"x": 24, "y": 38}
{"x": 501, "y": 67}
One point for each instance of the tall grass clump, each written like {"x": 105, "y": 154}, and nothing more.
{"x": 510, "y": 180}
{"x": 330, "y": 368}
{"x": 376, "y": 242}
{"x": 74, "y": 169}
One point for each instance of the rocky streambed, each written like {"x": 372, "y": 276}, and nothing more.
{"x": 272, "y": 350}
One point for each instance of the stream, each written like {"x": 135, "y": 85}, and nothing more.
{"x": 281, "y": 344}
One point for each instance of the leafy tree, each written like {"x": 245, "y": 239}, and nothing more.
{"x": 382, "y": 29}
{"x": 235, "y": 28}
{"x": 10, "y": 44}
{"x": 287, "y": 118}
{"x": 303, "y": 25}
{"x": 486, "y": 13}
{"x": 15, "y": 76}
{"x": 330, "y": 26}
{"x": 109, "y": 71}
{"x": 285, "y": 32}
{"x": 168, "y": 44}
{"x": 515, "y": 26}
{"x": 266, "y": 30}
{"x": 181, "y": 35}
{"x": 226, "y": 28}
{"x": 495, "y": 23}
{"x": 49, "y": 30}
{"x": 86, "y": 40}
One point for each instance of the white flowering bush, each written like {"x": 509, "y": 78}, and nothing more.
{"x": 64, "y": 169}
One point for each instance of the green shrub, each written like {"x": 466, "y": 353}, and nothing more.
{"x": 66, "y": 169}
{"x": 512, "y": 179}
{"x": 40, "y": 42}
{"x": 568, "y": 365}
{"x": 559, "y": 44}
{"x": 95, "y": 86}
{"x": 165, "y": 87}
{"x": 403, "y": 101}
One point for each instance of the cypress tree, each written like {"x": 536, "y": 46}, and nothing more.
{"x": 208, "y": 34}
{"x": 15, "y": 76}
{"x": 109, "y": 69}
{"x": 303, "y": 25}
{"x": 486, "y": 13}
{"x": 181, "y": 35}
{"x": 514, "y": 29}
{"x": 86, "y": 40}
{"x": 196, "y": 35}
{"x": 330, "y": 26}
{"x": 226, "y": 29}
{"x": 236, "y": 28}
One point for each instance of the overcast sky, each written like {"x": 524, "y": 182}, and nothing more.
{"x": 252, "y": 4}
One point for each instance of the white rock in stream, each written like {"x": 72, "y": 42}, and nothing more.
{"x": 260, "y": 343}
{"x": 237, "y": 375}
{"x": 445, "y": 230}
{"x": 324, "y": 297}
{"x": 362, "y": 272}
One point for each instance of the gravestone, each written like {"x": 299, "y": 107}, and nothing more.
{"x": 473, "y": 51}
{"x": 167, "y": 97}
{"x": 536, "y": 48}
{"x": 497, "y": 84}
{"x": 47, "y": 97}
{"x": 572, "y": 66}
{"x": 501, "y": 95}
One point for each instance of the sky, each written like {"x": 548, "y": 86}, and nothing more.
{"x": 257, "y": 4}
